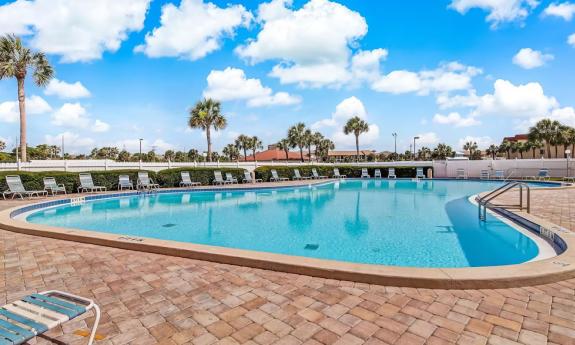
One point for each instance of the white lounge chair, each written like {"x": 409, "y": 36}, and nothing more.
{"x": 275, "y": 177}
{"x": 37, "y": 313}
{"x": 230, "y": 178}
{"x": 145, "y": 182}
{"x": 15, "y": 187}
{"x": 419, "y": 173}
{"x": 336, "y": 173}
{"x": 187, "y": 181}
{"x": 542, "y": 175}
{"x": 51, "y": 186}
{"x": 377, "y": 173}
{"x": 460, "y": 174}
{"x": 218, "y": 179}
{"x": 297, "y": 176}
{"x": 124, "y": 182}
{"x": 87, "y": 184}
{"x": 315, "y": 175}
{"x": 249, "y": 179}
{"x": 484, "y": 175}
{"x": 391, "y": 173}
{"x": 364, "y": 173}
{"x": 499, "y": 174}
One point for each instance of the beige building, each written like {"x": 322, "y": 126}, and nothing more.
{"x": 342, "y": 156}
{"x": 539, "y": 152}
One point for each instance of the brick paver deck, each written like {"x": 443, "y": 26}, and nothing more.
{"x": 149, "y": 299}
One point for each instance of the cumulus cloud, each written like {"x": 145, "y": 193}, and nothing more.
{"x": 313, "y": 44}
{"x": 66, "y": 90}
{"x": 500, "y": 11}
{"x": 75, "y": 30}
{"x": 563, "y": 10}
{"x": 73, "y": 142}
{"x": 345, "y": 110}
{"x": 452, "y": 76}
{"x": 74, "y": 115}
{"x": 456, "y": 120}
{"x": 482, "y": 142}
{"x": 571, "y": 39}
{"x": 194, "y": 29}
{"x": 232, "y": 84}
{"x": 427, "y": 139}
{"x": 10, "y": 113}
{"x": 528, "y": 58}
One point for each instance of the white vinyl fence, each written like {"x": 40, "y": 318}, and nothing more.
{"x": 512, "y": 168}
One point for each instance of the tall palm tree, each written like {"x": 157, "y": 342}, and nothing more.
{"x": 285, "y": 146}
{"x": 322, "y": 148}
{"x": 2, "y": 145}
{"x": 308, "y": 138}
{"x": 570, "y": 138}
{"x": 492, "y": 150}
{"x": 356, "y": 126}
{"x": 15, "y": 60}
{"x": 545, "y": 130}
{"x": 424, "y": 153}
{"x": 442, "y": 151}
{"x": 243, "y": 142}
{"x": 255, "y": 144}
{"x": 206, "y": 114}
{"x": 505, "y": 147}
{"x": 316, "y": 140}
{"x": 231, "y": 151}
{"x": 297, "y": 137}
{"x": 470, "y": 146}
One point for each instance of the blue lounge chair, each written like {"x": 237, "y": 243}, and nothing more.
{"x": 37, "y": 313}
{"x": 542, "y": 175}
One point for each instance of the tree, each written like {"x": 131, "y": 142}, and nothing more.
{"x": 356, "y": 126}
{"x": 317, "y": 139}
{"x": 545, "y": 130}
{"x": 15, "y": 60}
{"x": 424, "y": 153}
{"x": 180, "y": 156}
{"x": 535, "y": 144}
{"x": 323, "y": 147}
{"x": 440, "y": 152}
{"x": 297, "y": 137}
{"x": 506, "y": 147}
{"x": 470, "y": 146}
{"x": 492, "y": 151}
{"x": 124, "y": 156}
{"x": 193, "y": 155}
{"x": 285, "y": 146}
{"x": 169, "y": 155}
{"x": 231, "y": 151}
{"x": 2, "y": 145}
{"x": 569, "y": 138}
{"x": 243, "y": 142}
{"x": 206, "y": 114}
{"x": 255, "y": 144}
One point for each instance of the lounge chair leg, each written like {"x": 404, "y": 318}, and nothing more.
{"x": 95, "y": 327}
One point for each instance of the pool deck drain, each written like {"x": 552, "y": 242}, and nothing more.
{"x": 156, "y": 299}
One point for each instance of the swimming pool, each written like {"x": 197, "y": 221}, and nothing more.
{"x": 430, "y": 223}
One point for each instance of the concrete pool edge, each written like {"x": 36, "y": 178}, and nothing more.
{"x": 531, "y": 273}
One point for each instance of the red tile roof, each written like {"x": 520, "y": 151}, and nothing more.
{"x": 276, "y": 155}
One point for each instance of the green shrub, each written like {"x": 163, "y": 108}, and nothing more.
{"x": 264, "y": 172}
{"x": 34, "y": 180}
{"x": 172, "y": 178}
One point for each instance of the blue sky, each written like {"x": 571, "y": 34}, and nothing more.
{"x": 448, "y": 71}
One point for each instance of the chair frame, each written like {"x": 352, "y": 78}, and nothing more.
{"x": 315, "y": 174}
{"x": 230, "y": 178}
{"x": 149, "y": 185}
{"x": 219, "y": 178}
{"x": 188, "y": 182}
{"x": 91, "y": 187}
{"x": 20, "y": 190}
{"x": 277, "y": 177}
{"x": 129, "y": 185}
{"x": 53, "y": 188}
{"x": 336, "y": 173}
{"x": 391, "y": 173}
{"x": 249, "y": 179}
{"x": 365, "y": 173}
{"x": 419, "y": 173}
{"x": 377, "y": 173}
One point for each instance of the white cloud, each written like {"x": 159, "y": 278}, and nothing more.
{"x": 482, "y": 142}
{"x": 365, "y": 65}
{"x": 313, "y": 44}
{"x": 194, "y": 29}
{"x": 447, "y": 77}
{"x": 75, "y": 30}
{"x": 10, "y": 113}
{"x": 232, "y": 84}
{"x": 456, "y": 120}
{"x": 73, "y": 142}
{"x": 528, "y": 58}
{"x": 571, "y": 39}
{"x": 366, "y": 140}
{"x": 74, "y": 115}
{"x": 564, "y": 115}
{"x": 133, "y": 145}
{"x": 564, "y": 10}
{"x": 500, "y": 11}
{"x": 66, "y": 90}
{"x": 427, "y": 139}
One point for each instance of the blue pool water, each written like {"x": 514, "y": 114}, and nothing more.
{"x": 401, "y": 223}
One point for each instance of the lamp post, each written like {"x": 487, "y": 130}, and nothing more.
{"x": 568, "y": 153}
{"x": 140, "y": 156}
{"x": 394, "y": 143}
{"x": 414, "y": 139}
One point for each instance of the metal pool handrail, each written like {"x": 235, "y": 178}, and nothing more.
{"x": 483, "y": 202}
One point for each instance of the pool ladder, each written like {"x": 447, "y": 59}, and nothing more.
{"x": 483, "y": 202}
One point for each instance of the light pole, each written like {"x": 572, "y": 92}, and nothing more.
{"x": 568, "y": 153}
{"x": 140, "y": 156}
{"x": 394, "y": 143}
{"x": 414, "y": 139}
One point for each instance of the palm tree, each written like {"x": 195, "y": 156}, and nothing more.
{"x": 308, "y": 138}
{"x": 169, "y": 155}
{"x": 470, "y": 146}
{"x": 206, "y": 114}
{"x": 231, "y": 151}
{"x": 15, "y": 60}
{"x": 193, "y": 155}
{"x": 255, "y": 144}
{"x": 441, "y": 152}
{"x": 322, "y": 148}
{"x": 316, "y": 139}
{"x": 243, "y": 142}
{"x": 285, "y": 146}
{"x": 570, "y": 138}
{"x": 356, "y": 126}
{"x": 545, "y": 130}
{"x": 505, "y": 147}
{"x": 2, "y": 145}
{"x": 492, "y": 150}
{"x": 297, "y": 137}
{"x": 424, "y": 153}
